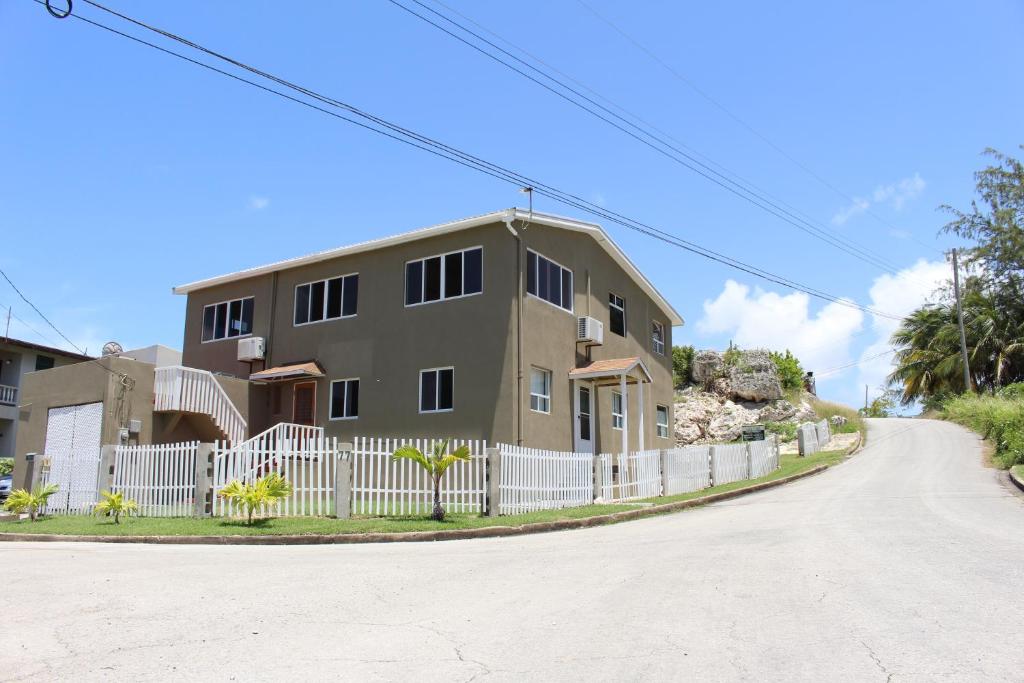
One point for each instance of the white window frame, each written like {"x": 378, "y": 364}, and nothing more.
{"x": 325, "y": 319}
{"x": 423, "y": 276}
{"x": 227, "y": 318}
{"x": 655, "y": 342}
{"x": 617, "y": 417}
{"x": 659, "y": 426}
{"x": 611, "y": 305}
{"x": 542, "y": 399}
{"x": 344, "y": 400}
{"x": 572, "y": 284}
{"x": 437, "y": 390}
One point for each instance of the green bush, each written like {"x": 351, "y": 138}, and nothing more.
{"x": 791, "y": 375}
{"x": 824, "y": 410}
{"x": 6, "y": 466}
{"x": 997, "y": 418}
{"x": 682, "y": 362}
{"x": 1013, "y": 392}
{"x": 785, "y": 430}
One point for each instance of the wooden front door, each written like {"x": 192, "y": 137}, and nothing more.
{"x": 304, "y": 404}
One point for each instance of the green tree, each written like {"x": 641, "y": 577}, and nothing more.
{"x": 114, "y": 505}
{"x": 23, "y": 500}
{"x": 267, "y": 492}
{"x": 791, "y": 375}
{"x": 435, "y": 466}
{"x": 682, "y": 361}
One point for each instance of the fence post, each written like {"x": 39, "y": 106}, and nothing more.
{"x": 711, "y": 464}
{"x": 105, "y": 470}
{"x": 664, "y": 471}
{"x": 493, "y": 481}
{"x": 598, "y": 478}
{"x": 343, "y": 481}
{"x": 750, "y": 461}
{"x": 204, "y": 485}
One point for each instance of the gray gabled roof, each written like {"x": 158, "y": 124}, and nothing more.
{"x": 551, "y": 220}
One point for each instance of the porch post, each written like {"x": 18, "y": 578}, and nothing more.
{"x": 625, "y": 414}
{"x": 640, "y": 407}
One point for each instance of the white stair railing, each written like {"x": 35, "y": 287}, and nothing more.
{"x": 188, "y": 390}
{"x": 8, "y": 395}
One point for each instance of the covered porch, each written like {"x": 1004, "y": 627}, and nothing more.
{"x": 619, "y": 374}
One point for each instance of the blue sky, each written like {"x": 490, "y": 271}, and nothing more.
{"x": 126, "y": 172}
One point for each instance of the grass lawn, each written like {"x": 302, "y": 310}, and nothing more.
{"x": 217, "y": 526}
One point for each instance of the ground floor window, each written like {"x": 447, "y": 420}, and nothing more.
{"x": 437, "y": 390}
{"x": 662, "y": 421}
{"x": 617, "y": 412}
{"x": 344, "y": 399}
{"x": 540, "y": 390}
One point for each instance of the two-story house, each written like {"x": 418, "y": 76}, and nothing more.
{"x": 513, "y": 326}
{"x": 17, "y": 358}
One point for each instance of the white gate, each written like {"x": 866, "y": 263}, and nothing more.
{"x": 71, "y": 457}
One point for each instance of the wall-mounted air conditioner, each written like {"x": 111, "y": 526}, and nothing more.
{"x": 251, "y": 348}
{"x": 590, "y": 331}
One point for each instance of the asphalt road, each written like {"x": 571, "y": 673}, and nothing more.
{"x": 905, "y": 563}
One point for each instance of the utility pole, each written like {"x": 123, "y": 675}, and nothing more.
{"x": 7, "y": 332}
{"x": 960, "y": 323}
{"x": 865, "y": 399}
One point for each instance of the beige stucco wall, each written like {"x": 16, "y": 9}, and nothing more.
{"x": 386, "y": 344}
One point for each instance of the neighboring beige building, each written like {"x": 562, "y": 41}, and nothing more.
{"x": 488, "y": 327}
{"x": 17, "y": 359}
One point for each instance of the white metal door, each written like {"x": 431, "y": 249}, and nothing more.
{"x": 73, "y": 453}
{"x": 583, "y": 441}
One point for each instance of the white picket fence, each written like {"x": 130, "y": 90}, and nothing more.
{"x": 729, "y": 463}
{"x": 631, "y": 477}
{"x": 308, "y": 463}
{"x": 384, "y": 486}
{"x": 689, "y": 469}
{"x": 161, "y": 479}
{"x": 764, "y": 458}
{"x": 534, "y": 479}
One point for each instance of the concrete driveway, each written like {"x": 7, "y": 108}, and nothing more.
{"x": 904, "y": 564}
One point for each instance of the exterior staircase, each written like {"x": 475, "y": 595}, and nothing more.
{"x": 188, "y": 390}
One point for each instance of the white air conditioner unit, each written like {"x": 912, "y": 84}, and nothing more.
{"x": 590, "y": 331}
{"x": 251, "y": 348}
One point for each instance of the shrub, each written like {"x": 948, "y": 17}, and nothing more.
{"x": 114, "y": 505}
{"x": 23, "y": 500}
{"x": 267, "y": 492}
{"x": 997, "y": 418}
{"x": 682, "y": 362}
{"x": 435, "y": 466}
{"x": 6, "y": 466}
{"x": 1014, "y": 392}
{"x": 791, "y": 375}
{"x": 785, "y": 430}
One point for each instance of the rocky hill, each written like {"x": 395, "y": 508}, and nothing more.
{"x": 730, "y": 390}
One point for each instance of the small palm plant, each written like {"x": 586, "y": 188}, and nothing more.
{"x": 435, "y": 465}
{"x": 23, "y": 500}
{"x": 267, "y": 492}
{"x": 114, "y": 505}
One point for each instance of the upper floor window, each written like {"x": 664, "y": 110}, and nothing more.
{"x": 227, "y": 319}
{"x": 661, "y": 421}
{"x": 44, "y": 362}
{"x": 437, "y": 390}
{"x": 540, "y": 390}
{"x": 344, "y": 399}
{"x": 617, "y": 314}
{"x": 617, "y": 412}
{"x": 549, "y": 281}
{"x": 657, "y": 337}
{"x": 447, "y": 276}
{"x": 326, "y": 299}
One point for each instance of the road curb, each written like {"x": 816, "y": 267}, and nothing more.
{"x": 1016, "y": 480}
{"x": 422, "y": 536}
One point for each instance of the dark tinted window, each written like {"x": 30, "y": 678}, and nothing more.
{"x": 44, "y": 362}
{"x": 344, "y": 398}
{"x": 432, "y": 279}
{"x": 547, "y": 280}
{"x": 316, "y": 301}
{"x": 428, "y": 390}
{"x": 531, "y": 273}
{"x": 351, "y": 295}
{"x": 227, "y": 319}
{"x": 302, "y": 304}
{"x": 473, "y": 271}
{"x": 334, "y": 298}
{"x": 220, "y": 325}
{"x": 617, "y": 314}
{"x": 414, "y": 283}
{"x": 445, "y": 389}
{"x": 209, "y": 314}
{"x": 453, "y": 275}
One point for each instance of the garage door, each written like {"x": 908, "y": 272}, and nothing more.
{"x": 73, "y": 453}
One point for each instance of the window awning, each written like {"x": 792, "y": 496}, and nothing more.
{"x": 283, "y": 373}
{"x": 613, "y": 369}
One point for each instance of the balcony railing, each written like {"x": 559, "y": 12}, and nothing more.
{"x": 8, "y": 395}
{"x": 189, "y": 390}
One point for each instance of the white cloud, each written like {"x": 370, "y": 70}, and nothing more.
{"x": 895, "y": 194}
{"x": 257, "y": 203}
{"x": 765, "y": 319}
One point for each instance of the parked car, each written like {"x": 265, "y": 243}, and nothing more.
{"x": 5, "y": 487}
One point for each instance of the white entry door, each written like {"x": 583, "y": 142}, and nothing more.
{"x": 73, "y": 453}
{"x": 584, "y": 427}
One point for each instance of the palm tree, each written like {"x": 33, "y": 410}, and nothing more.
{"x": 267, "y": 492}
{"x": 114, "y": 505}
{"x": 21, "y": 500}
{"x": 435, "y": 465}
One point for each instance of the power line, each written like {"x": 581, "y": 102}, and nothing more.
{"x": 831, "y": 371}
{"x": 40, "y": 313}
{"x": 753, "y": 131}
{"x": 455, "y": 155}
{"x": 27, "y": 325}
{"x": 659, "y": 144}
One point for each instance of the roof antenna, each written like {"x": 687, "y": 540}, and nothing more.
{"x": 528, "y": 191}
